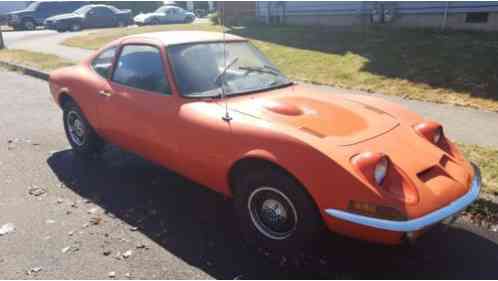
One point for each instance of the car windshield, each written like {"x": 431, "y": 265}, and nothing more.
{"x": 33, "y": 6}
{"x": 83, "y": 10}
{"x": 201, "y": 70}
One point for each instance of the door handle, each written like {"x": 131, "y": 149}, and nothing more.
{"x": 105, "y": 93}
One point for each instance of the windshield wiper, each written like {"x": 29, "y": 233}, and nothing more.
{"x": 264, "y": 69}
{"x": 227, "y": 67}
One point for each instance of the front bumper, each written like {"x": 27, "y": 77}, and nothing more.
{"x": 419, "y": 223}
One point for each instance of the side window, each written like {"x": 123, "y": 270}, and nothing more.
{"x": 102, "y": 64}
{"x": 141, "y": 67}
{"x": 102, "y": 12}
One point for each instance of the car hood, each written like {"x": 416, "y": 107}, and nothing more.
{"x": 325, "y": 115}
{"x": 65, "y": 17}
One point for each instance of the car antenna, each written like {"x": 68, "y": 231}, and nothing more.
{"x": 227, "y": 116}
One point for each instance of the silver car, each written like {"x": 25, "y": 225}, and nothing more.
{"x": 165, "y": 14}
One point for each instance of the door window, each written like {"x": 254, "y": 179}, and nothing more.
{"x": 103, "y": 12}
{"x": 141, "y": 67}
{"x": 102, "y": 64}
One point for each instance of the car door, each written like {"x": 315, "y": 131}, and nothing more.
{"x": 177, "y": 15}
{"x": 137, "y": 111}
{"x": 99, "y": 17}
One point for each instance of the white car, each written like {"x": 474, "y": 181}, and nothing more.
{"x": 165, "y": 14}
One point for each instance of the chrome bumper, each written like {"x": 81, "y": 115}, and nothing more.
{"x": 418, "y": 223}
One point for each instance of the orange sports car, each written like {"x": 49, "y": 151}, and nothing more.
{"x": 296, "y": 159}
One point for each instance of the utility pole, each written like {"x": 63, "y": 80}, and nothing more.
{"x": 2, "y": 45}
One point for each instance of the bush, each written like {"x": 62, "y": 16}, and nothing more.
{"x": 214, "y": 18}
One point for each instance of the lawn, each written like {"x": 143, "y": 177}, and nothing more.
{"x": 454, "y": 67}
{"x": 33, "y": 59}
{"x": 487, "y": 159}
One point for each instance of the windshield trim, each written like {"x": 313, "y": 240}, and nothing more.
{"x": 242, "y": 93}
{"x": 173, "y": 74}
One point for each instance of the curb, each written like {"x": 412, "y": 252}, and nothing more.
{"x": 26, "y": 70}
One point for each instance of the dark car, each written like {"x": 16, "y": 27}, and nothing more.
{"x": 36, "y": 13}
{"x": 90, "y": 16}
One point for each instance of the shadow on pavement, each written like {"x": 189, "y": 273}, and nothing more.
{"x": 202, "y": 230}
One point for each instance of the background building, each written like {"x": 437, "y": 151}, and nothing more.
{"x": 470, "y": 15}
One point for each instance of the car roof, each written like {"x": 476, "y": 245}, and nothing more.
{"x": 169, "y": 38}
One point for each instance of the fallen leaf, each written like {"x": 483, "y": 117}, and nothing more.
{"x": 127, "y": 254}
{"x": 36, "y": 191}
{"x": 95, "y": 220}
{"x": 7, "y": 228}
{"x": 34, "y": 270}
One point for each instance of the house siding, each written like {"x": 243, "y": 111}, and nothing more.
{"x": 401, "y": 14}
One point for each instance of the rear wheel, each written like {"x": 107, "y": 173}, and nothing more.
{"x": 80, "y": 134}
{"x": 75, "y": 27}
{"x": 275, "y": 212}
{"x": 29, "y": 24}
{"x": 189, "y": 19}
{"x": 121, "y": 24}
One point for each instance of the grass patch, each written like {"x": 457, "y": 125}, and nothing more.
{"x": 97, "y": 39}
{"x": 487, "y": 159}
{"x": 33, "y": 59}
{"x": 453, "y": 67}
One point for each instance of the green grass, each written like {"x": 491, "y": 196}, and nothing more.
{"x": 453, "y": 67}
{"x": 97, "y": 39}
{"x": 33, "y": 59}
{"x": 487, "y": 160}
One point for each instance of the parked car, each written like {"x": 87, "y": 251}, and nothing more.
{"x": 36, "y": 13}
{"x": 90, "y": 16}
{"x": 200, "y": 13}
{"x": 296, "y": 159}
{"x": 165, "y": 14}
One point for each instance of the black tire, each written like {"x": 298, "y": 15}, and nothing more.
{"x": 75, "y": 27}
{"x": 154, "y": 21}
{"x": 296, "y": 233}
{"x": 28, "y": 24}
{"x": 89, "y": 144}
{"x": 189, "y": 19}
{"x": 121, "y": 24}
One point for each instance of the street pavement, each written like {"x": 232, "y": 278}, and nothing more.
{"x": 83, "y": 225}
{"x": 49, "y": 41}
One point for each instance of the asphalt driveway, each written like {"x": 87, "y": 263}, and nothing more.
{"x": 92, "y": 214}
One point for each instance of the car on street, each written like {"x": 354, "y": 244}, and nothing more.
{"x": 165, "y": 14}
{"x": 35, "y": 14}
{"x": 90, "y": 16}
{"x": 296, "y": 159}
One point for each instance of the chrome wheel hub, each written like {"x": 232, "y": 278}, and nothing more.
{"x": 272, "y": 213}
{"x": 76, "y": 128}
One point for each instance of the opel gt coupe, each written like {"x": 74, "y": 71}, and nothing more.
{"x": 297, "y": 160}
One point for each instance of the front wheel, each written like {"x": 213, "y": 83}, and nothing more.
{"x": 80, "y": 134}
{"x": 275, "y": 212}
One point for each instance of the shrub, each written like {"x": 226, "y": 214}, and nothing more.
{"x": 214, "y": 18}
